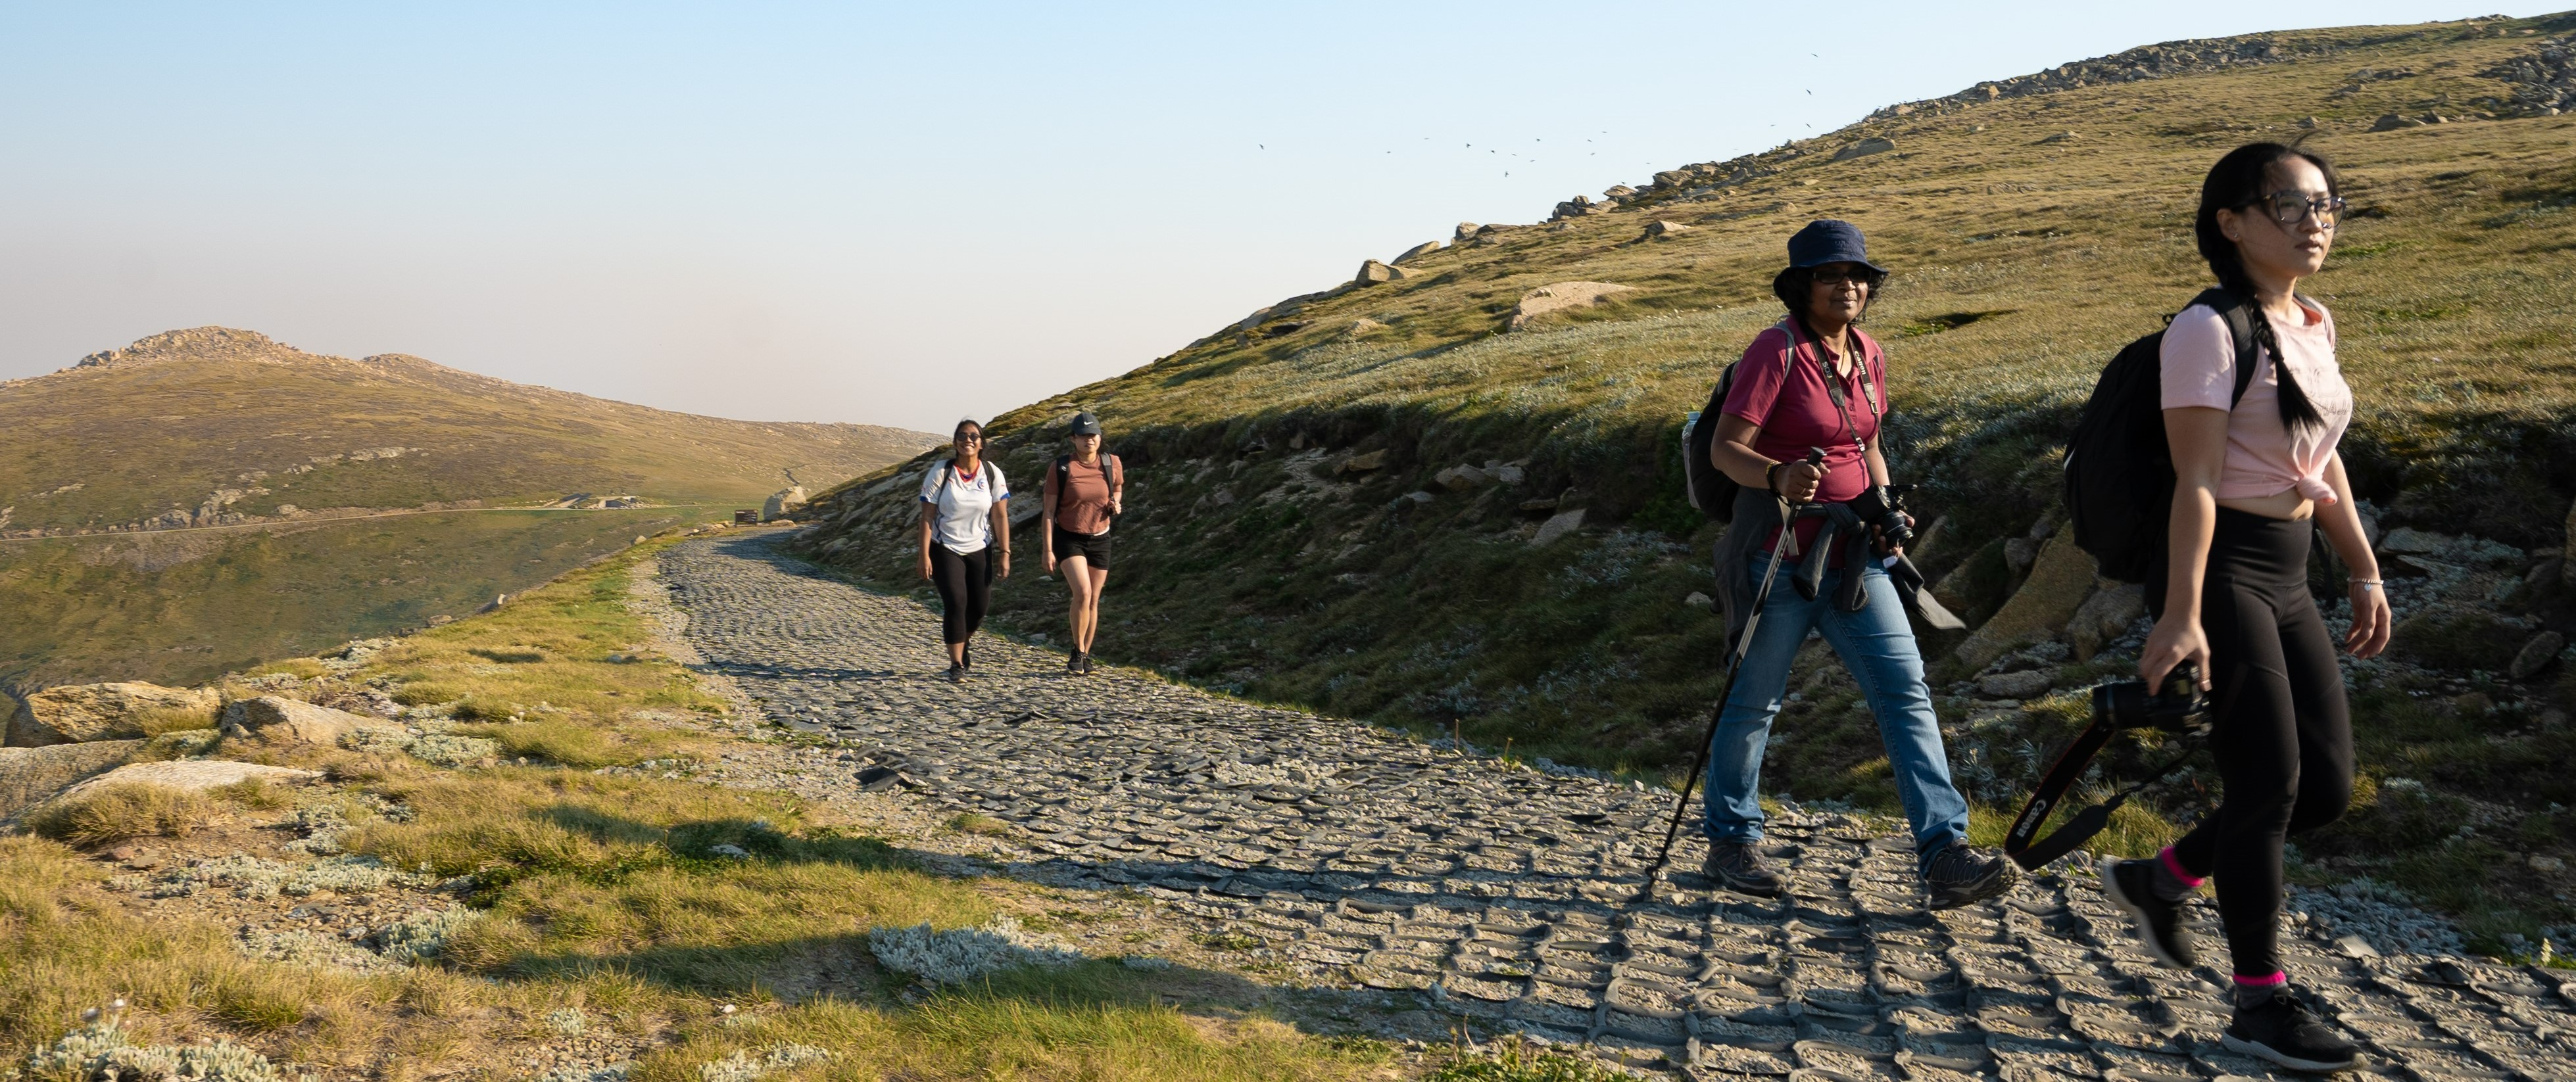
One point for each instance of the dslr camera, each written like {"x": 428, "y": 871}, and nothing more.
{"x": 1883, "y": 506}
{"x": 2178, "y": 708}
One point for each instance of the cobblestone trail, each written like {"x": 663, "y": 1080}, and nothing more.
{"x": 1357, "y": 857}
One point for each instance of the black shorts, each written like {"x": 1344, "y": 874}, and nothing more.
{"x": 1093, "y": 547}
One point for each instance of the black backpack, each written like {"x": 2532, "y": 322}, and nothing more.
{"x": 1115, "y": 470}
{"x": 1709, "y": 488}
{"x": 2119, "y": 471}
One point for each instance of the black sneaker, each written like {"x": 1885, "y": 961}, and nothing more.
{"x": 956, "y": 674}
{"x": 1073, "y": 662}
{"x": 1738, "y": 867}
{"x": 2130, "y": 884}
{"x": 966, "y": 655}
{"x": 1086, "y": 663}
{"x": 2281, "y": 1030}
{"x": 1960, "y": 875}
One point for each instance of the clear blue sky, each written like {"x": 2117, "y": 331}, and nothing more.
{"x": 893, "y": 214}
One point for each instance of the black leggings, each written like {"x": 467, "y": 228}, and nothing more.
{"x": 2282, "y": 733}
{"x": 965, "y": 590}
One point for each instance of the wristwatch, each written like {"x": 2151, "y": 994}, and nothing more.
{"x": 1771, "y": 477}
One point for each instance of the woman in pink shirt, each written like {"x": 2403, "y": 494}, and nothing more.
{"x": 2254, "y": 480}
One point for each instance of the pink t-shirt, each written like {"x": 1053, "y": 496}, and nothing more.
{"x": 1794, "y": 414}
{"x": 2264, "y": 456}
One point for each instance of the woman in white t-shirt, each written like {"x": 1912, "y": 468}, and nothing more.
{"x": 965, "y": 539}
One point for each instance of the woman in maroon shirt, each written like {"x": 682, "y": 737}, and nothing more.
{"x": 1815, "y": 382}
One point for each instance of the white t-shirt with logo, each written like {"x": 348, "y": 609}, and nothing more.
{"x": 964, "y": 522}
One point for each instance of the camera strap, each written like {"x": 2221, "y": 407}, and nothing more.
{"x": 1834, "y": 389}
{"x": 2035, "y": 853}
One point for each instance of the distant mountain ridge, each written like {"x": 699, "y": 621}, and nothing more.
{"x": 218, "y": 426}
{"x": 208, "y": 498}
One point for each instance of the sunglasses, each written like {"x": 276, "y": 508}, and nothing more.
{"x": 2288, "y": 207}
{"x": 1830, "y": 277}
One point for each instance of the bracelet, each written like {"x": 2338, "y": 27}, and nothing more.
{"x": 1771, "y": 477}
{"x": 2366, "y": 583}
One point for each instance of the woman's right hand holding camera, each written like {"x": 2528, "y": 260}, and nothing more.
{"x": 1797, "y": 482}
{"x": 2177, "y": 638}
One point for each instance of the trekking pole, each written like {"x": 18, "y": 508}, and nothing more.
{"x": 1734, "y": 664}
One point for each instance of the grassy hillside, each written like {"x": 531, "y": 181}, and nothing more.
{"x": 2035, "y": 227}
{"x": 206, "y": 498}
{"x": 228, "y": 426}
{"x": 183, "y": 606}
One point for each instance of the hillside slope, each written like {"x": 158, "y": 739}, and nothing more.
{"x": 204, "y": 499}
{"x": 1300, "y": 529}
{"x": 225, "y": 426}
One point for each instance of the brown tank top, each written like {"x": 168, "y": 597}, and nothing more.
{"x": 1082, "y": 505}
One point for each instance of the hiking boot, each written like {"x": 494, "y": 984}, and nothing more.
{"x": 1960, "y": 875}
{"x": 966, "y": 656}
{"x": 1086, "y": 663}
{"x": 2280, "y": 1029}
{"x": 1739, "y": 867}
{"x": 1073, "y": 662}
{"x": 956, "y": 673}
{"x": 2130, "y": 884}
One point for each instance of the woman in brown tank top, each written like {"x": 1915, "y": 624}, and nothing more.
{"x": 1080, "y": 493}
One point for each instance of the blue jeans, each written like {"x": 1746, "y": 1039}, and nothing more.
{"x": 1877, "y": 646}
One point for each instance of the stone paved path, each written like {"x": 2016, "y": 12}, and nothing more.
{"x": 1362, "y": 858}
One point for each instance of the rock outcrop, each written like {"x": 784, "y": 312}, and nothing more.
{"x": 31, "y": 776}
{"x": 1558, "y": 297}
{"x": 2104, "y": 616}
{"x": 273, "y": 719}
{"x": 2543, "y": 82}
{"x": 76, "y": 713}
{"x": 1876, "y": 144}
{"x": 783, "y": 503}
{"x": 2061, "y": 578}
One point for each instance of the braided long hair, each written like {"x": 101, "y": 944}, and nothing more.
{"x": 2239, "y": 180}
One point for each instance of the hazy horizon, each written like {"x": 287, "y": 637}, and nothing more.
{"x": 888, "y": 216}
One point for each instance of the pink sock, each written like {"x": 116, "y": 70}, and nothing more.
{"x": 2256, "y": 991}
{"x": 2173, "y": 867}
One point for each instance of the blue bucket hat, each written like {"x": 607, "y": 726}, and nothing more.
{"x": 1829, "y": 240}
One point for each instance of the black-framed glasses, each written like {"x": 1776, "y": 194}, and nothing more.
{"x": 2288, "y": 207}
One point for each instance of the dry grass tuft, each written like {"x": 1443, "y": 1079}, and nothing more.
{"x": 159, "y": 720}
{"x": 115, "y": 813}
